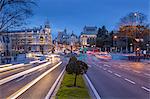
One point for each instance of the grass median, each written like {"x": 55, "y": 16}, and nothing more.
{"x": 68, "y": 91}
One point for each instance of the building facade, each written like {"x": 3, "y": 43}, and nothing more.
{"x": 65, "y": 40}
{"x": 88, "y": 36}
{"x": 25, "y": 41}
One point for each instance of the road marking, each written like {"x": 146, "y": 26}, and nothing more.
{"x": 129, "y": 81}
{"x": 89, "y": 66}
{"x": 20, "y": 78}
{"x": 26, "y": 87}
{"x": 6, "y": 65}
{"x": 11, "y": 67}
{"x": 127, "y": 68}
{"x": 109, "y": 71}
{"x": 7, "y": 79}
{"x": 32, "y": 62}
{"x": 92, "y": 87}
{"x": 48, "y": 96}
{"x": 147, "y": 89}
{"x": 106, "y": 65}
{"x": 136, "y": 71}
{"x": 117, "y": 75}
{"x": 105, "y": 68}
{"x": 147, "y": 74}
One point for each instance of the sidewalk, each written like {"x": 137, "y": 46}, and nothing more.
{"x": 121, "y": 56}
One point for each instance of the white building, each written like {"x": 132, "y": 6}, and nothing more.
{"x": 88, "y": 36}
{"x": 73, "y": 39}
{"x": 66, "y": 40}
{"x": 26, "y": 41}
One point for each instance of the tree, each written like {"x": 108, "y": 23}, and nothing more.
{"x": 104, "y": 39}
{"x": 133, "y": 18}
{"x": 13, "y": 13}
{"x": 134, "y": 28}
{"x": 76, "y": 67}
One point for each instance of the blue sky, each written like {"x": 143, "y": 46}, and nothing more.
{"x": 75, "y": 14}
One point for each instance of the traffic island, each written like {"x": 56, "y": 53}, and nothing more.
{"x": 68, "y": 91}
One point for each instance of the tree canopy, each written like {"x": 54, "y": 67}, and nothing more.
{"x": 76, "y": 67}
{"x": 13, "y": 13}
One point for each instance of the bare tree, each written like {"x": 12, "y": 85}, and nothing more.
{"x": 13, "y": 13}
{"x": 133, "y": 18}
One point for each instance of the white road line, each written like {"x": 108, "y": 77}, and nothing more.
{"x": 32, "y": 62}
{"x": 11, "y": 67}
{"x": 127, "y": 68}
{"x": 48, "y": 96}
{"x": 89, "y": 66}
{"x": 21, "y": 78}
{"x": 92, "y": 87}
{"x": 147, "y": 89}
{"x": 147, "y": 74}
{"x": 7, "y": 79}
{"x": 129, "y": 81}
{"x": 26, "y": 87}
{"x": 109, "y": 71}
{"x": 136, "y": 71}
{"x": 117, "y": 75}
{"x": 6, "y": 65}
{"x": 106, "y": 65}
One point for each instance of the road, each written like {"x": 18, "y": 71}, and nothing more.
{"x": 17, "y": 70}
{"x": 118, "y": 79}
{"x": 38, "y": 90}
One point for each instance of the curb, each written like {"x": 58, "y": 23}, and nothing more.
{"x": 55, "y": 87}
{"x": 91, "y": 94}
{"x": 94, "y": 91}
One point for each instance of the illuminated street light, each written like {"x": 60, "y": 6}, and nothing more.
{"x": 115, "y": 37}
{"x": 147, "y": 46}
{"x": 135, "y": 14}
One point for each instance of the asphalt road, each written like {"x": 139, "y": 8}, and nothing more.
{"x": 41, "y": 88}
{"x": 11, "y": 87}
{"x": 116, "y": 79}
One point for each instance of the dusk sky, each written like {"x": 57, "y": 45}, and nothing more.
{"x": 75, "y": 14}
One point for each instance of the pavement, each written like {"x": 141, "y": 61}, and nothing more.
{"x": 119, "y": 79}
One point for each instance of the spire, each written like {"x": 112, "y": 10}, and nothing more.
{"x": 65, "y": 30}
{"x": 47, "y": 24}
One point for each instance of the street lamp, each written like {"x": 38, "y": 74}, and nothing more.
{"x": 136, "y": 16}
{"x": 131, "y": 47}
{"x": 147, "y": 46}
{"x": 115, "y": 38}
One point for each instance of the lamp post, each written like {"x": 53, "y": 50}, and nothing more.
{"x": 115, "y": 43}
{"x": 147, "y": 47}
{"x": 131, "y": 47}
